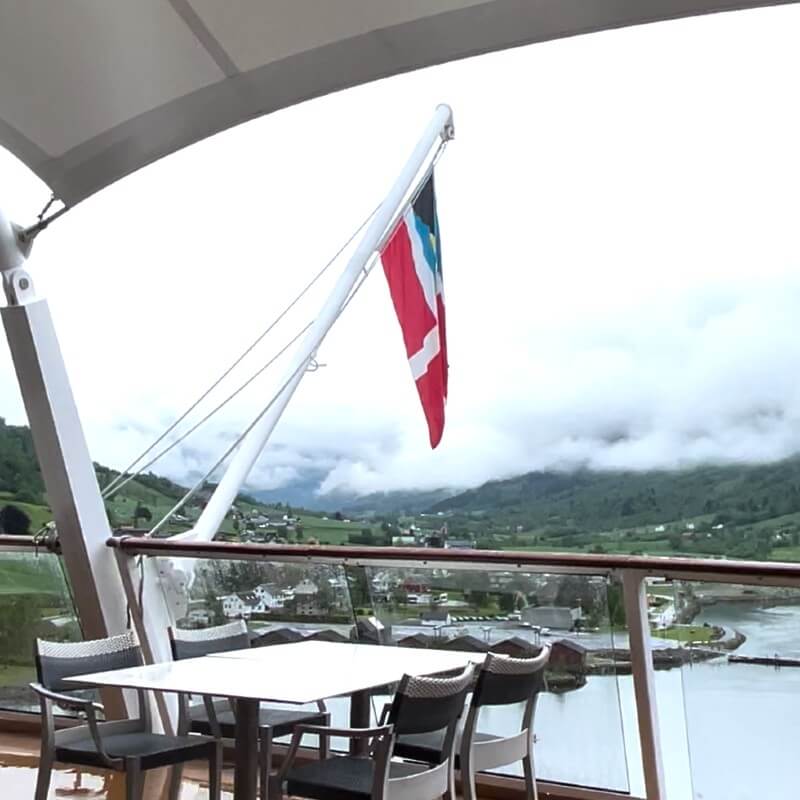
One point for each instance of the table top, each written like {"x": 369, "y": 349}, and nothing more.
{"x": 298, "y": 672}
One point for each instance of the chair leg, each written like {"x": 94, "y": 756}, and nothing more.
{"x": 451, "y": 781}
{"x": 134, "y": 779}
{"x": 43, "y": 776}
{"x": 468, "y": 790}
{"x": 215, "y": 771}
{"x": 325, "y": 742}
{"x": 531, "y": 792}
{"x": 265, "y": 762}
{"x": 175, "y": 781}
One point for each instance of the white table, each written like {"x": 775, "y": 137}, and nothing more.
{"x": 301, "y": 672}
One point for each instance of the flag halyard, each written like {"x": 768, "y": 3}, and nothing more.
{"x": 412, "y": 264}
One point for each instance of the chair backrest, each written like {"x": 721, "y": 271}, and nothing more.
{"x": 56, "y": 661}
{"x": 503, "y": 680}
{"x": 425, "y": 705}
{"x": 193, "y": 643}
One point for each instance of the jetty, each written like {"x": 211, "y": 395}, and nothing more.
{"x": 768, "y": 661}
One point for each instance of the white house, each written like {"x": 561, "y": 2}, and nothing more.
{"x": 305, "y": 588}
{"x": 557, "y": 617}
{"x": 436, "y": 619}
{"x": 233, "y": 606}
{"x": 305, "y": 597}
{"x": 267, "y": 599}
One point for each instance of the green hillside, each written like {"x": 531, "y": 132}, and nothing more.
{"x": 147, "y": 499}
{"x": 602, "y": 500}
{"x": 747, "y": 511}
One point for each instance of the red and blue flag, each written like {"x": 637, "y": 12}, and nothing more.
{"x": 412, "y": 261}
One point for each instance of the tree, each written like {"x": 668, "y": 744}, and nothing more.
{"x": 478, "y": 598}
{"x": 27, "y": 496}
{"x": 112, "y": 517}
{"x": 14, "y": 521}
{"x": 507, "y": 602}
{"x": 141, "y": 512}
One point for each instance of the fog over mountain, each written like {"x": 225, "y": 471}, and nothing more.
{"x": 622, "y": 272}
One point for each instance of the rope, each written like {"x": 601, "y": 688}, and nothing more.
{"x": 108, "y": 492}
{"x": 311, "y": 359}
{"x": 121, "y": 478}
{"x": 32, "y": 231}
{"x": 304, "y": 365}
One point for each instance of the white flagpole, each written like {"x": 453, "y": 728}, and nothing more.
{"x": 242, "y": 461}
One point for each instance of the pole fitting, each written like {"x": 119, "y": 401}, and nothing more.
{"x": 14, "y": 251}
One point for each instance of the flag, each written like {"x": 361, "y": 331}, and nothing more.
{"x": 412, "y": 261}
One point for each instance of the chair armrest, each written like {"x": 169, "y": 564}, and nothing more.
{"x": 65, "y": 700}
{"x": 350, "y": 733}
{"x": 380, "y": 732}
{"x": 387, "y": 707}
{"x": 88, "y": 707}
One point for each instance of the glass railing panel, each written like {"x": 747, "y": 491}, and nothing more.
{"x": 280, "y": 603}
{"x": 580, "y": 616}
{"x": 35, "y": 601}
{"x": 741, "y": 689}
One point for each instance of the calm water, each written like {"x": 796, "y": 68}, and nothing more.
{"x": 729, "y": 731}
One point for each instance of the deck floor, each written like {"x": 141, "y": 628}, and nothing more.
{"x": 19, "y": 757}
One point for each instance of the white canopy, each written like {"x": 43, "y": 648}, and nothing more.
{"x": 91, "y": 90}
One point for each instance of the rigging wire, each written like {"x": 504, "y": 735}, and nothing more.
{"x": 110, "y": 492}
{"x": 121, "y": 478}
{"x": 312, "y": 357}
{"x": 303, "y": 366}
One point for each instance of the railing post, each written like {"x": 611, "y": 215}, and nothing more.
{"x": 644, "y": 686}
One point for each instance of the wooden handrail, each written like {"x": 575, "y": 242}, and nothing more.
{"x": 9, "y": 542}
{"x": 587, "y": 563}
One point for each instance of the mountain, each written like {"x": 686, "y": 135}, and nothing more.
{"x": 19, "y": 470}
{"x": 21, "y": 485}
{"x": 409, "y": 502}
{"x": 304, "y": 492}
{"x": 589, "y": 500}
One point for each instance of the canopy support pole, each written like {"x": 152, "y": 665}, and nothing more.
{"x": 67, "y": 469}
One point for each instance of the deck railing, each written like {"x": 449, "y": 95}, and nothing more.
{"x": 630, "y": 711}
{"x": 35, "y": 600}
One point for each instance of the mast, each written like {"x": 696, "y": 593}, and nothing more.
{"x": 242, "y": 461}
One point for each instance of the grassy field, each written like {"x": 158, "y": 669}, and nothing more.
{"x": 39, "y": 515}
{"x": 785, "y": 554}
{"x": 687, "y": 633}
{"x": 30, "y": 574}
{"x": 328, "y": 531}
{"x": 16, "y": 674}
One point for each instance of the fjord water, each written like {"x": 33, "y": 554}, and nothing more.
{"x": 728, "y": 731}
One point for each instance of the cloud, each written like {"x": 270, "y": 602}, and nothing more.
{"x": 621, "y": 268}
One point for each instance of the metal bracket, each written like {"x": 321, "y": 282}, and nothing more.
{"x": 14, "y": 251}
{"x": 449, "y": 128}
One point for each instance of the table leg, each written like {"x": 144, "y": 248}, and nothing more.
{"x": 360, "y": 708}
{"x": 245, "y": 776}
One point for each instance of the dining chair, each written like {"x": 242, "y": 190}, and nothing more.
{"x": 501, "y": 681}
{"x": 215, "y": 716}
{"x": 127, "y": 746}
{"x": 419, "y": 706}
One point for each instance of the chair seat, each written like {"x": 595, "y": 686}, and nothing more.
{"x": 154, "y": 749}
{"x": 341, "y": 778}
{"x": 427, "y": 747}
{"x": 281, "y": 720}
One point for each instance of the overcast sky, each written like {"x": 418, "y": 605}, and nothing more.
{"x": 619, "y": 216}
